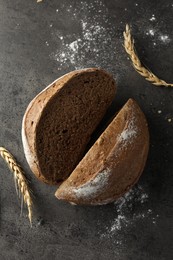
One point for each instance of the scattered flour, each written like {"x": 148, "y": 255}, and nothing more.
{"x": 156, "y": 34}
{"x": 126, "y": 216}
{"x": 153, "y": 18}
{"x": 74, "y": 46}
{"x": 164, "y": 38}
{"x": 150, "y": 32}
{"x": 92, "y": 42}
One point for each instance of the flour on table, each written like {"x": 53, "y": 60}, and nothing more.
{"x": 74, "y": 46}
{"x": 90, "y": 38}
{"x": 150, "y": 32}
{"x": 164, "y": 38}
{"x": 153, "y": 18}
{"x": 92, "y": 43}
{"x": 156, "y": 34}
{"x": 126, "y": 217}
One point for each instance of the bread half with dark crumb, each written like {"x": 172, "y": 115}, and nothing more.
{"x": 59, "y": 122}
{"x": 113, "y": 164}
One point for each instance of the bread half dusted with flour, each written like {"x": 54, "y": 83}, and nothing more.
{"x": 59, "y": 122}
{"x": 113, "y": 164}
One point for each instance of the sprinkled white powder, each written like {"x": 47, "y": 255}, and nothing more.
{"x": 169, "y": 120}
{"x": 164, "y": 38}
{"x": 151, "y": 32}
{"x": 129, "y": 132}
{"x": 84, "y": 25}
{"x": 94, "y": 187}
{"x": 74, "y": 46}
{"x": 152, "y": 18}
{"x": 143, "y": 197}
{"x": 125, "y": 216}
{"x": 159, "y": 111}
{"x": 87, "y": 47}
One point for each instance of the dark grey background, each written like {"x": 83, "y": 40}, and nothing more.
{"x": 30, "y": 42}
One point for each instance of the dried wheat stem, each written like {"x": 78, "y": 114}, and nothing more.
{"x": 130, "y": 49}
{"x": 21, "y": 183}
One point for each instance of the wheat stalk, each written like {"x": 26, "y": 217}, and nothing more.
{"x": 130, "y": 49}
{"x": 21, "y": 182}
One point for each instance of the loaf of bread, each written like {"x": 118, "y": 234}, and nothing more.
{"x": 113, "y": 164}
{"x": 57, "y": 127}
{"x": 59, "y": 122}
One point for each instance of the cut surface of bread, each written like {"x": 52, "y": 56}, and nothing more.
{"x": 59, "y": 122}
{"x": 113, "y": 164}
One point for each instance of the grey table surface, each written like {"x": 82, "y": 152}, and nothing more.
{"x": 40, "y": 42}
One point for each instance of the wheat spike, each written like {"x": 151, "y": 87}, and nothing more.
{"x": 21, "y": 182}
{"x": 130, "y": 49}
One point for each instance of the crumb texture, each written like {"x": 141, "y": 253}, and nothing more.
{"x": 68, "y": 120}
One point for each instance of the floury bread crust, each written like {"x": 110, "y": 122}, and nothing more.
{"x": 59, "y": 121}
{"x": 113, "y": 164}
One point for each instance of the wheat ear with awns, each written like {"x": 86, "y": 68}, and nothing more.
{"x": 21, "y": 182}
{"x": 130, "y": 49}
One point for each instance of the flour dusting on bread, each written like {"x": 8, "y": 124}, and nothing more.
{"x": 95, "y": 187}
{"x": 129, "y": 132}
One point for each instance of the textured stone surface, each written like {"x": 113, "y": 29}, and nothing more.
{"x": 31, "y": 54}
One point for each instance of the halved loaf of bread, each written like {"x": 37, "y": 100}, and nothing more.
{"x": 59, "y": 121}
{"x": 113, "y": 164}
